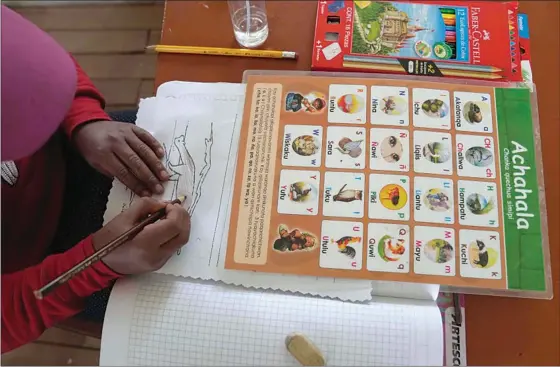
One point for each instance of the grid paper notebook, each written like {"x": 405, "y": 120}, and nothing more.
{"x": 183, "y": 323}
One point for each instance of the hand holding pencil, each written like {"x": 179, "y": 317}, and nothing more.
{"x": 139, "y": 240}
{"x": 150, "y": 249}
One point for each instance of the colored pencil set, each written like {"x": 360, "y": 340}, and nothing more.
{"x": 385, "y": 64}
{"x": 450, "y": 20}
{"x": 412, "y": 37}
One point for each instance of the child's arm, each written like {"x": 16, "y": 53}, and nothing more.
{"x": 87, "y": 106}
{"x": 24, "y": 318}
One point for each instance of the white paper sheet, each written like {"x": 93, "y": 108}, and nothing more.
{"x": 154, "y": 321}
{"x": 212, "y": 112}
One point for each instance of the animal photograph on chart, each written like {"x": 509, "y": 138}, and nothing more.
{"x": 434, "y": 251}
{"x": 433, "y": 200}
{"x": 431, "y": 108}
{"x": 473, "y": 112}
{"x": 301, "y": 145}
{"x": 341, "y": 245}
{"x": 475, "y": 156}
{"x": 478, "y": 203}
{"x": 312, "y": 102}
{"x": 389, "y": 150}
{"x": 347, "y": 104}
{"x": 345, "y": 147}
{"x": 388, "y": 247}
{"x": 480, "y": 254}
{"x": 298, "y": 192}
{"x": 294, "y": 240}
{"x": 343, "y": 195}
{"x": 388, "y": 197}
{"x": 432, "y": 152}
{"x": 389, "y": 105}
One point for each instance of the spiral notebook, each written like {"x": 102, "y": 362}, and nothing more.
{"x": 161, "y": 321}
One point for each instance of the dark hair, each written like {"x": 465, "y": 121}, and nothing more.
{"x": 321, "y": 102}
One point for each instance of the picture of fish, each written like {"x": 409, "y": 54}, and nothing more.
{"x": 436, "y": 152}
{"x": 437, "y": 200}
{"x": 479, "y": 156}
{"x": 391, "y": 249}
{"x": 351, "y": 147}
{"x": 302, "y": 191}
{"x": 305, "y": 145}
{"x": 344, "y": 245}
{"x": 391, "y": 149}
{"x": 348, "y": 195}
{"x": 478, "y": 204}
{"x": 294, "y": 240}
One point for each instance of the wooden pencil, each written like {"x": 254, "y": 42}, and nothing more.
{"x": 221, "y": 51}
{"x": 440, "y": 65}
{"x": 400, "y": 70}
{"x": 102, "y": 252}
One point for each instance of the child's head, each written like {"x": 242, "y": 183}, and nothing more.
{"x": 318, "y": 103}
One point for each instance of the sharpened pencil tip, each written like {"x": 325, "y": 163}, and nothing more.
{"x": 182, "y": 198}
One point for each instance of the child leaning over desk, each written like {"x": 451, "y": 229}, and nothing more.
{"x": 53, "y": 201}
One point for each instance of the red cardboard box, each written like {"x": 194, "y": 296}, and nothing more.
{"x": 470, "y": 39}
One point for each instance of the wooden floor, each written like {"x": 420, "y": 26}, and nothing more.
{"x": 108, "y": 41}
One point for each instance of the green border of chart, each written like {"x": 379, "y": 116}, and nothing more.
{"x": 520, "y": 190}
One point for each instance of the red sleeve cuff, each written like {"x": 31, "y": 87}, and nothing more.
{"x": 98, "y": 269}
{"x": 84, "y": 109}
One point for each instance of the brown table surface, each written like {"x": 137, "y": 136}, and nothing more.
{"x": 500, "y": 331}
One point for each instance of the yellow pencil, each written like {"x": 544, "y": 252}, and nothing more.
{"x": 397, "y": 68}
{"x": 219, "y": 51}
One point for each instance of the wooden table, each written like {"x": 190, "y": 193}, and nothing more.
{"x": 500, "y": 331}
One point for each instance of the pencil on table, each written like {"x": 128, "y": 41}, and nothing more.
{"x": 102, "y": 252}
{"x": 221, "y": 51}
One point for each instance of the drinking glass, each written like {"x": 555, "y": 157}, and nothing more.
{"x": 250, "y": 24}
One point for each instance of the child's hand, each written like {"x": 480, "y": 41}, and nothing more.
{"x": 150, "y": 249}
{"x": 124, "y": 151}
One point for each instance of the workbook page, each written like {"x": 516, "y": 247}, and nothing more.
{"x": 155, "y": 321}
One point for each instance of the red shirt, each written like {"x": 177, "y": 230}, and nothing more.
{"x": 31, "y": 207}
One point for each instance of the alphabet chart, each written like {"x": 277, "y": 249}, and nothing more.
{"x": 389, "y": 179}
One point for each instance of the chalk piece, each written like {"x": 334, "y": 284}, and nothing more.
{"x": 304, "y": 350}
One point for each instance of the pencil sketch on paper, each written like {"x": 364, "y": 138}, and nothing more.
{"x": 184, "y": 177}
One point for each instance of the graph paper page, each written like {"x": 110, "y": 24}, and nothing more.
{"x": 174, "y": 323}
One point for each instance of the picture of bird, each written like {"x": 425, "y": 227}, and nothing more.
{"x": 350, "y": 147}
{"x": 348, "y": 195}
{"x": 344, "y": 245}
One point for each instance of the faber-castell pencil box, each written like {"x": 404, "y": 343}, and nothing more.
{"x": 465, "y": 39}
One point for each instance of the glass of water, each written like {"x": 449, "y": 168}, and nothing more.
{"x": 250, "y": 24}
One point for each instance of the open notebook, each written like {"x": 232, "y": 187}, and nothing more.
{"x": 158, "y": 321}
{"x": 179, "y": 317}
